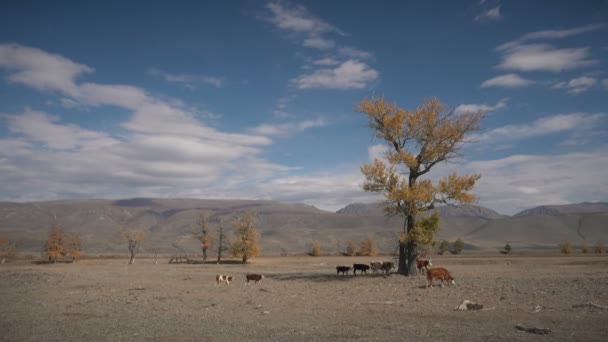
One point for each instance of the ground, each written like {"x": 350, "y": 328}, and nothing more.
{"x": 302, "y": 299}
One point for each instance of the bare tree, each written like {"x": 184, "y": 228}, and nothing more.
{"x": 73, "y": 245}
{"x": 134, "y": 239}
{"x": 222, "y": 240}
{"x": 202, "y": 233}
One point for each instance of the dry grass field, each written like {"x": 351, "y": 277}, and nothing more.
{"x": 302, "y": 299}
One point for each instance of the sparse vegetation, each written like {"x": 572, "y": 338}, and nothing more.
{"x": 7, "y": 249}
{"x": 245, "y": 245}
{"x": 316, "y": 249}
{"x": 350, "y": 248}
{"x": 418, "y": 139}
{"x": 565, "y": 247}
{"x": 458, "y": 246}
{"x": 508, "y": 249}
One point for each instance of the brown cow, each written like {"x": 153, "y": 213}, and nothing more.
{"x": 438, "y": 273}
{"x": 257, "y": 278}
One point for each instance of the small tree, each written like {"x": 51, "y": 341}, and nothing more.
{"x": 350, "y": 248}
{"x": 507, "y": 249}
{"x": 7, "y": 249}
{"x": 565, "y": 247}
{"x": 202, "y": 234}
{"x": 55, "y": 244}
{"x": 73, "y": 246}
{"x": 316, "y": 249}
{"x": 222, "y": 241}
{"x": 444, "y": 246}
{"x": 134, "y": 239}
{"x": 599, "y": 247}
{"x": 368, "y": 247}
{"x": 245, "y": 244}
{"x": 458, "y": 246}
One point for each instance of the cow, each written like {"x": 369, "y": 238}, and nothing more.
{"x": 422, "y": 263}
{"x": 257, "y": 278}
{"x": 360, "y": 267}
{"x": 223, "y": 278}
{"x": 387, "y": 267}
{"x": 343, "y": 269}
{"x": 438, "y": 273}
{"x": 376, "y": 266}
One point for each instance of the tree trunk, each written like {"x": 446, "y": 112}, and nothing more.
{"x": 204, "y": 255}
{"x": 244, "y": 259}
{"x": 402, "y": 259}
{"x": 219, "y": 255}
{"x": 132, "y": 260}
{"x": 3, "y": 260}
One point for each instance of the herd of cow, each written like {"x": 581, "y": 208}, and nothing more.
{"x": 384, "y": 267}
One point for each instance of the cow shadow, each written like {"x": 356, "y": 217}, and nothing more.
{"x": 316, "y": 277}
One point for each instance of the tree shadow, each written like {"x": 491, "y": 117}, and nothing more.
{"x": 316, "y": 277}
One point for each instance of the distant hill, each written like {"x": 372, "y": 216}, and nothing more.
{"x": 288, "y": 228}
{"x": 579, "y": 208}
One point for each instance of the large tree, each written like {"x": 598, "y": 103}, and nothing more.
{"x": 55, "y": 243}
{"x": 418, "y": 140}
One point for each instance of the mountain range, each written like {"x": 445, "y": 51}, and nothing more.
{"x": 287, "y": 228}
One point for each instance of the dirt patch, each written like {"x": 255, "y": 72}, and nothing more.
{"x": 302, "y": 299}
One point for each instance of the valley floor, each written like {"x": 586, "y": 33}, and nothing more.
{"x": 302, "y": 299}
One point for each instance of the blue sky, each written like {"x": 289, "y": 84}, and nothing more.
{"x": 254, "y": 99}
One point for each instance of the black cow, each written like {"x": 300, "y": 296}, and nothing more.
{"x": 360, "y": 267}
{"x": 343, "y": 269}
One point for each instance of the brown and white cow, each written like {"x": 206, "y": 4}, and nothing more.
{"x": 422, "y": 263}
{"x": 376, "y": 266}
{"x": 438, "y": 273}
{"x": 223, "y": 278}
{"x": 387, "y": 267}
{"x": 257, "y": 278}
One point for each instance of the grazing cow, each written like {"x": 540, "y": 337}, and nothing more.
{"x": 438, "y": 273}
{"x": 360, "y": 267}
{"x": 343, "y": 269}
{"x": 223, "y": 278}
{"x": 422, "y": 263}
{"x": 376, "y": 266}
{"x": 257, "y": 278}
{"x": 387, "y": 267}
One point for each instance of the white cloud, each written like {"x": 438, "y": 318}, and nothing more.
{"x": 489, "y": 14}
{"x": 351, "y": 52}
{"x": 164, "y": 150}
{"x": 39, "y": 69}
{"x": 475, "y": 108}
{"x": 577, "y": 85}
{"x": 574, "y": 122}
{"x": 287, "y": 129}
{"x": 351, "y": 74}
{"x": 544, "y": 57}
{"x": 519, "y": 182}
{"x": 319, "y": 43}
{"x": 189, "y": 81}
{"x": 550, "y": 34}
{"x": 507, "y": 81}
{"x": 326, "y": 61}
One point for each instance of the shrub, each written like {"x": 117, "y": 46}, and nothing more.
{"x": 458, "y": 246}
{"x": 316, "y": 249}
{"x": 565, "y": 247}
{"x": 443, "y": 246}
{"x": 350, "y": 248}
{"x": 508, "y": 248}
{"x": 584, "y": 249}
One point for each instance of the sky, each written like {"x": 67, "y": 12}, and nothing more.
{"x": 255, "y": 99}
